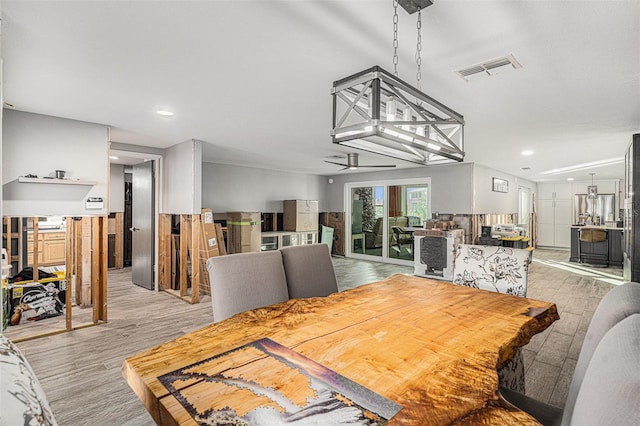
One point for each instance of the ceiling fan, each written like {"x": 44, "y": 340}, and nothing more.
{"x": 352, "y": 162}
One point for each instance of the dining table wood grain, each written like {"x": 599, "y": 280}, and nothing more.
{"x": 429, "y": 346}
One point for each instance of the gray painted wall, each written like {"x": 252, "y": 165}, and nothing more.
{"x": 39, "y": 144}
{"x": 234, "y": 188}
{"x": 488, "y": 201}
{"x": 116, "y": 188}
{"x": 461, "y": 188}
{"x": 451, "y": 186}
{"x": 182, "y": 179}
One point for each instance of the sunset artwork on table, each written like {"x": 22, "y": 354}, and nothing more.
{"x": 265, "y": 383}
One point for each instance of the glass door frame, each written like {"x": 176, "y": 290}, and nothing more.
{"x": 348, "y": 188}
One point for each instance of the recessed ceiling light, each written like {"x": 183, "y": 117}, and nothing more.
{"x": 113, "y": 157}
{"x": 526, "y": 168}
{"x": 164, "y": 113}
{"x": 527, "y": 152}
{"x": 569, "y": 178}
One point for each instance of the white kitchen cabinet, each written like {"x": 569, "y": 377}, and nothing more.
{"x": 562, "y": 222}
{"x": 554, "y": 191}
{"x": 554, "y": 215}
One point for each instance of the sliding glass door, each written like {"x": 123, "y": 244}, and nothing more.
{"x": 367, "y": 215}
{"x": 383, "y": 216}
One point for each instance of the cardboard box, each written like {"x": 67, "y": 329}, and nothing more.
{"x": 300, "y": 215}
{"x": 211, "y": 246}
{"x": 36, "y": 301}
{"x": 243, "y": 232}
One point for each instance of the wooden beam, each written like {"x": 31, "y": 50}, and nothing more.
{"x": 104, "y": 266}
{"x": 68, "y": 267}
{"x": 222, "y": 247}
{"x": 36, "y": 254}
{"x": 196, "y": 237}
{"x": 77, "y": 259}
{"x": 100, "y": 244}
{"x": 95, "y": 267}
{"x": 185, "y": 234}
{"x": 164, "y": 252}
{"x": 9, "y": 233}
{"x": 119, "y": 240}
{"x": 87, "y": 261}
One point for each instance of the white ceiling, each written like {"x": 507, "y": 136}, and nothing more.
{"x": 251, "y": 79}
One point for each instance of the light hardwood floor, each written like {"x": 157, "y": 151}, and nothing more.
{"x": 80, "y": 370}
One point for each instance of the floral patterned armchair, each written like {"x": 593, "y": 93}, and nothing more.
{"x": 499, "y": 269}
{"x": 22, "y": 400}
{"x": 493, "y": 268}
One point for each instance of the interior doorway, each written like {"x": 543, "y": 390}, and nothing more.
{"x": 142, "y": 199}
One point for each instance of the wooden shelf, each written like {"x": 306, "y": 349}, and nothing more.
{"x": 54, "y": 181}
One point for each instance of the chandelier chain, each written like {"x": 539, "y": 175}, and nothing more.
{"x": 395, "y": 37}
{"x": 419, "y": 52}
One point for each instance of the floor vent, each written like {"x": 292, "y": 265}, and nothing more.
{"x": 489, "y": 68}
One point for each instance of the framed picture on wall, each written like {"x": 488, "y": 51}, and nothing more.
{"x": 500, "y": 185}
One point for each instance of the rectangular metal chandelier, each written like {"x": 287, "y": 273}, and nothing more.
{"x": 377, "y": 112}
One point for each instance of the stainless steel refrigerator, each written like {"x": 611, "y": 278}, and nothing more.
{"x": 600, "y": 209}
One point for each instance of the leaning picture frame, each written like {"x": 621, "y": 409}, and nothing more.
{"x": 500, "y": 185}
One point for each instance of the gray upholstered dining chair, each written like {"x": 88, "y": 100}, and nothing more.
{"x": 309, "y": 271}
{"x": 244, "y": 281}
{"x": 502, "y": 270}
{"x": 618, "y": 304}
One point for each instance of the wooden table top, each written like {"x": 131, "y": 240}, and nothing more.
{"x": 432, "y": 348}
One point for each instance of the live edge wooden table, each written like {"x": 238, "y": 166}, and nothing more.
{"x": 406, "y": 350}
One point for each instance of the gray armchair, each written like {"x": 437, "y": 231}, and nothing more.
{"x": 616, "y": 306}
{"x": 609, "y": 391}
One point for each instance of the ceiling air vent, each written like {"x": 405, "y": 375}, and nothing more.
{"x": 488, "y": 68}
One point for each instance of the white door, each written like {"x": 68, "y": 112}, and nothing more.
{"x": 142, "y": 212}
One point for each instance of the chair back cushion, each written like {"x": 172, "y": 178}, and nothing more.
{"x": 492, "y": 268}
{"x": 245, "y": 281}
{"x": 619, "y": 303}
{"x": 309, "y": 271}
{"x": 610, "y": 391}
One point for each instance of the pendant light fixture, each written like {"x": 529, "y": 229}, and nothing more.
{"x": 375, "y": 111}
{"x": 592, "y": 190}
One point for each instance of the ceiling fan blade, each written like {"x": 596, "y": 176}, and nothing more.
{"x": 337, "y": 164}
{"x": 377, "y": 165}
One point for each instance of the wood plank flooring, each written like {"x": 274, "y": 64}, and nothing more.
{"x": 80, "y": 370}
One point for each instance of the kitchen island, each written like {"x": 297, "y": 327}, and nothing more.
{"x": 609, "y": 254}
